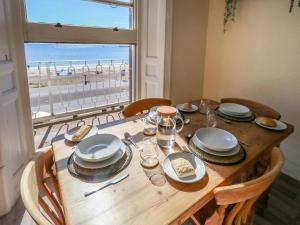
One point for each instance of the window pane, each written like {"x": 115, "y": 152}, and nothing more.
{"x": 66, "y": 78}
{"x": 79, "y": 13}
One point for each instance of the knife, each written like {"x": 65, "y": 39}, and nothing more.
{"x": 114, "y": 181}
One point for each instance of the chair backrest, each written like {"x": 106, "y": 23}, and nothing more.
{"x": 244, "y": 195}
{"x": 258, "y": 108}
{"x": 34, "y": 190}
{"x": 144, "y": 105}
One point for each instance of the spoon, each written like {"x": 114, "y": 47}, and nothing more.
{"x": 189, "y": 136}
{"x": 187, "y": 121}
{"x": 128, "y": 137}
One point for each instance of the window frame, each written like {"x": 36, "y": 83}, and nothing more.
{"x": 49, "y": 33}
{"x": 43, "y": 32}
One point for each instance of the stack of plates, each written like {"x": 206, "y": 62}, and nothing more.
{"x": 99, "y": 151}
{"x": 216, "y": 145}
{"x": 236, "y": 112}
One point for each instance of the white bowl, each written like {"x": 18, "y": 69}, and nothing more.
{"x": 98, "y": 147}
{"x": 216, "y": 139}
{"x": 230, "y": 153}
{"x": 98, "y": 165}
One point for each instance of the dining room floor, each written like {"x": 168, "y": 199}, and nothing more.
{"x": 283, "y": 208}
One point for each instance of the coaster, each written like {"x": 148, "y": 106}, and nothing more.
{"x": 226, "y": 161}
{"x": 237, "y": 119}
{"x": 100, "y": 174}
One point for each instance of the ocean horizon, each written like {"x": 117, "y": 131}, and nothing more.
{"x": 63, "y": 53}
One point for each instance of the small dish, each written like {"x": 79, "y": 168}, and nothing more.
{"x": 193, "y": 108}
{"x": 196, "y": 163}
{"x": 280, "y": 125}
{"x": 69, "y": 134}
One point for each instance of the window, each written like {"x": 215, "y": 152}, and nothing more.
{"x": 79, "y": 13}
{"x": 79, "y": 55}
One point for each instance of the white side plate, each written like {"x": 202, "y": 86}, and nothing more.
{"x": 70, "y": 133}
{"x": 196, "y": 163}
{"x": 181, "y": 108}
{"x": 280, "y": 125}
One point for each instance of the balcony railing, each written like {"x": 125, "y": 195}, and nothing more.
{"x": 64, "y": 88}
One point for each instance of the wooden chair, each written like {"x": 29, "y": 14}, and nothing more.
{"x": 36, "y": 191}
{"x": 235, "y": 202}
{"x": 144, "y": 105}
{"x": 256, "y": 107}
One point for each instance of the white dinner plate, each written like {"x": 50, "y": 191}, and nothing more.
{"x": 247, "y": 115}
{"x": 181, "y": 108}
{"x": 98, "y": 147}
{"x": 280, "y": 125}
{"x": 216, "y": 139}
{"x": 196, "y": 163}
{"x": 69, "y": 134}
{"x": 234, "y": 109}
{"x": 98, "y": 165}
{"x": 232, "y": 152}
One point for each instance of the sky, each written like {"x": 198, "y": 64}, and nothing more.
{"x": 77, "y": 12}
{"x": 80, "y": 13}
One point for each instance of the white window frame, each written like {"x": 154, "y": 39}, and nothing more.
{"x": 49, "y": 33}
{"x": 42, "y": 32}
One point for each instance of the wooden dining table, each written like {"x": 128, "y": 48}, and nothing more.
{"x": 139, "y": 201}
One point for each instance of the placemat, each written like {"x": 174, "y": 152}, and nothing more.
{"x": 220, "y": 160}
{"x": 100, "y": 174}
{"x": 239, "y": 119}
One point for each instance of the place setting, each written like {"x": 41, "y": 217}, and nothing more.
{"x": 218, "y": 146}
{"x": 235, "y": 112}
{"x": 99, "y": 157}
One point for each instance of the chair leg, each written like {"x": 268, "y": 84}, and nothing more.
{"x": 261, "y": 168}
{"x": 195, "y": 220}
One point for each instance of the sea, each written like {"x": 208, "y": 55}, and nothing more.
{"x": 62, "y": 54}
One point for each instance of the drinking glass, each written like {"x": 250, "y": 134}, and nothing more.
{"x": 149, "y": 153}
{"x": 204, "y": 106}
{"x": 149, "y": 128}
{"x": 211, "y": 118}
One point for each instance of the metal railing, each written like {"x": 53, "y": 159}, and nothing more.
{"x": 62, "y": 88}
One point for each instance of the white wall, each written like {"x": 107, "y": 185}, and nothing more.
{"x": 188, "y": 49}
{"x": 258, "y": 58}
